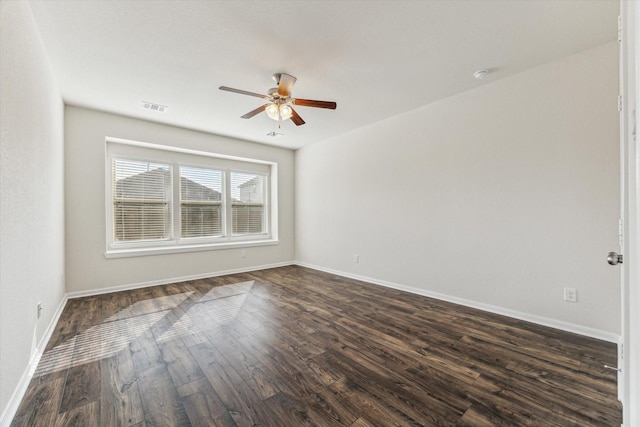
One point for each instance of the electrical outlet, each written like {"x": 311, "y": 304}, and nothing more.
{"x": 39, "y": 310}
{"x": 243, "y": 254}
{"x": 356, "y": 259}
{"x": 570, "y": 295}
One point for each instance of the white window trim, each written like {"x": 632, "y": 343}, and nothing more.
{"x": 175, "y": 245}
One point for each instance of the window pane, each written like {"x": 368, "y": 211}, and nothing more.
{"x": 141, "y": 200}
{"x": 200, "y": 202}
{"x": 247, "y": 206}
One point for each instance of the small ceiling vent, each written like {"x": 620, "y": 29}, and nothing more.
{"x": 154, "y": 107}
{"x": 480, "y": 74}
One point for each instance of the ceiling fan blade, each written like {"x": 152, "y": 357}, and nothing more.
{"x": 296, "y": 119}
{"x": 285, "y": 84}
{"x": 244, "y": 92}
{"x": 317, "y": 104}
{"x": 254, "y": 112}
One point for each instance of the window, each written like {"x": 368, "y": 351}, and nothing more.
{"x": 141, "y": 200}
{"x": 247, "y": 203}
{"x": 200, "y": 202}
{"x": 172, "y": 200}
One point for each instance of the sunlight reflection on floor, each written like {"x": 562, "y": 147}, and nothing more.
{"x": 217, "y": 307}
{"x": 206, "y": 315}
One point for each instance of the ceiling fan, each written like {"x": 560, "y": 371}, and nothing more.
{"x": 279, "y": 106}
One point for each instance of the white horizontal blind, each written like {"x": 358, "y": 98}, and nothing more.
{"x": 200, "y": 202}
{"x": 141, "y": 200}
{"x": 248, "y": 203}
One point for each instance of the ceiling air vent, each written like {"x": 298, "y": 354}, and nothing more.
{"x": 154, "y": 107}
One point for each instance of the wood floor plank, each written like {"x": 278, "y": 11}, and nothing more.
{"x": 92, "y": 309}
{"x": 120, "y": 396}
{"x": 294, "y": 377}
{"x": 81, "y": 416}
{"x": 116, "y": 306}
{"x": 286, "y": 333}
{"x": 362, "y": 422}
{"x": 253, "y": 410}
{"x": 481, "y": 416}
{"x": 405, "y": 400}
{"x": 160, "y": 400}
{"x": 212, "y": 362}
{"x": 292, "y": 346}
{"x": 242, "y": 361}
{"x": 145, "y": 353}
{"x": 297, "y": 413}
{"x": 268, "y": 380}
{"x": 372, "y": 406}
{"x": 82, "y": 386}
{"x": 327, "y": 404}
{"x": 180, "y": 363}
{"x": 203, "y": 406}
{"x": 591, "y": 388}
{"x": 40, "y": 404}
{"x": 241, "y": 402}
{"x": 67, "y": 326}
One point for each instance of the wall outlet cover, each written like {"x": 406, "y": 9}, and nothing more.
{"x": 570, "y": 295}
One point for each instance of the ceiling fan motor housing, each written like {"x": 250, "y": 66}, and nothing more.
{"x": 276, "y": 77}
{"x": 273, "y": 92}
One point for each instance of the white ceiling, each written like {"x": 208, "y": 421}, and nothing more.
{"x": 376, "y": 59}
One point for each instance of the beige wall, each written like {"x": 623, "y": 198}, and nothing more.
{"x": 87, "y": 267}
{"x": 31, "y": 194}
{"x": 500, "y": 196}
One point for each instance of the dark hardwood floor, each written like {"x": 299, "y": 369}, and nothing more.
{"x": 293, "y": 347}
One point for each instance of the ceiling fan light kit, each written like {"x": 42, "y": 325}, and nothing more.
{"x": 278, "y": 112}
{"x": 279, "y": 106}
{"x": 285, "y": 112}
{"x": 272, "y": 111}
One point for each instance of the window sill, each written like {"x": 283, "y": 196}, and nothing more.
{"x": 176, "y": 249}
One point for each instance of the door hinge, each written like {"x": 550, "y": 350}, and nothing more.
{"x": 619, "y": 103}
{"x": 619, "y": 28}
{"x": 621, "y": 231}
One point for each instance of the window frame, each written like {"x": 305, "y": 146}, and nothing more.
{"x": 116, "y": 148}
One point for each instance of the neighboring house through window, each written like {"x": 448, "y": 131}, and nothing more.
{"x": 248, "y": 208}
{"x": 201, "y": 209}
{"x": 141, "y": 200}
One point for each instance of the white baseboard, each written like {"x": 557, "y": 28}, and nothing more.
{"x": 544, "y": 321}
{"x": 80, "y": 294}
{"x": 18, "y": 393}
